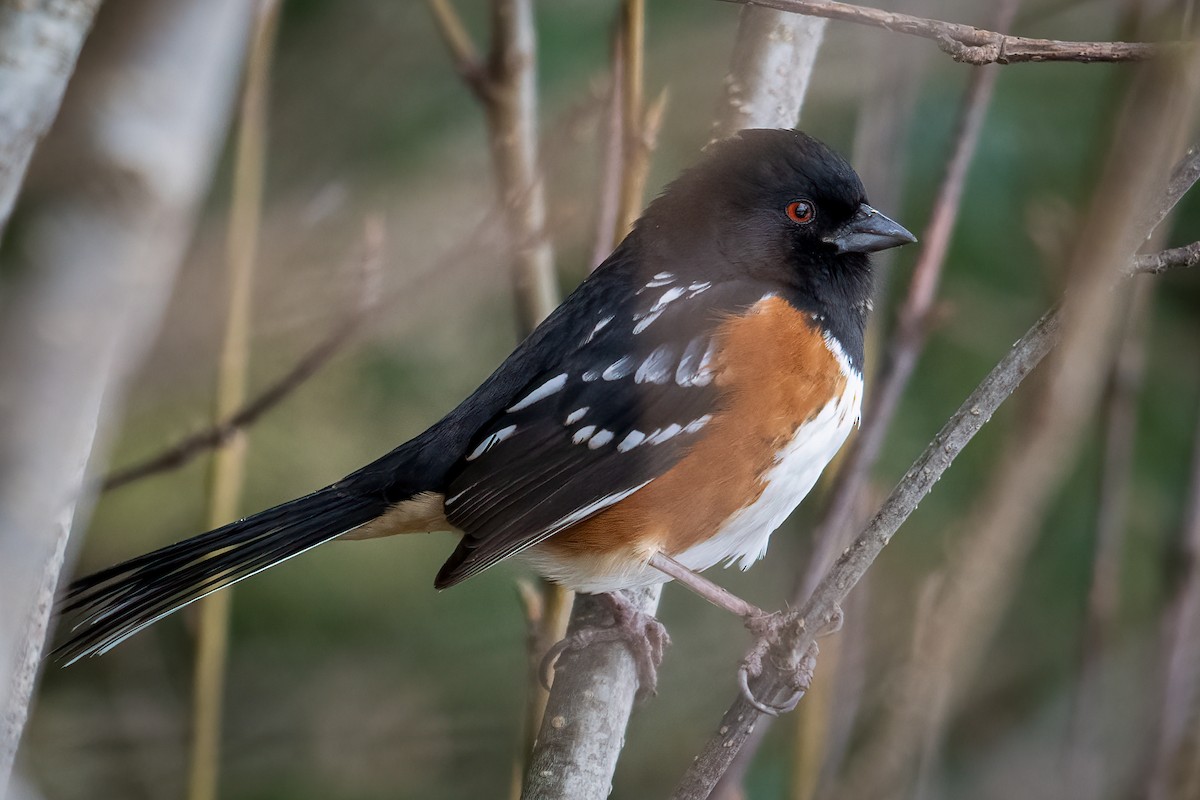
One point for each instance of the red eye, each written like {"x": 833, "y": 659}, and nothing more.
{"x": 801, "y": 211}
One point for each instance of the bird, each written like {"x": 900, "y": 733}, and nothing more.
{"x": 675, "y": 408}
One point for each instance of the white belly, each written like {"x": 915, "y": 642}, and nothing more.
{"x": 744, "y": 536}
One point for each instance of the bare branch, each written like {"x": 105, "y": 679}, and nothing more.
{"x": 969, "y": 44}
{"x": 463, "y": 52}
{"x": 103, "y": 252}
{"x": 773, "y": 60}
{"x": 200, "y": 442}
{"x": 1157, "y": 263}
{"x": 1179, "y": 709}
{"x": 40, "y": 41}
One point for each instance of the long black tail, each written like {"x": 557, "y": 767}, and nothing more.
{"x": 116, "y": 603}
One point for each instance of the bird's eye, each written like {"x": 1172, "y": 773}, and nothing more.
{"x": 801, "y": 211}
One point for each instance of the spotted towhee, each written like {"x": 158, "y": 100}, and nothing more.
{"x": 680, "y": 403}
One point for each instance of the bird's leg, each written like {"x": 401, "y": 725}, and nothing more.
{"x": 644, "y": 635}
{"x": 769, "y": 629}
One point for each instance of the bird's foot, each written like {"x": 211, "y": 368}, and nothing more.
{"x": 772, "y": 632}
{"x": 644, "y": 635}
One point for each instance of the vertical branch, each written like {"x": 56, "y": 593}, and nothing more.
{"x": 512, "y": 109}
{"x": 226, "y": 472}
{"x": 1086, "y": 761}
{"x": 103, "y": 255}
{"x": 583, "y": 729}
{"x": 1175, "y": 766}
{"x": 40, "y": 42}
{"x": 773, "y": 60}
{"x": 506, "y": 86}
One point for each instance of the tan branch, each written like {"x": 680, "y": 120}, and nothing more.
{"x": 969, "y": 44}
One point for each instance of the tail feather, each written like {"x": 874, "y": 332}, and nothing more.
{"x": 115, "y": 603}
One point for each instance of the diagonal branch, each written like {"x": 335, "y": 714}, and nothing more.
{"x": 200, "y": 442}
{"x": 968, "y": 44}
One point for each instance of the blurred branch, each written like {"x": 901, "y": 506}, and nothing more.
{"x": 741, "y": 718}
{"x": 40, "y": 41}
{"x": 1175, "y": 766}
{"x": 1122, "y": 392}
{"x": 462, "y": 50}
{"x": 227, "y": 470}
{"x": 103, "y": 253}
{"x": 968, "y": 44}
{"x": 190, "y": 447}
{"x": 773, "y": 58}
{"x": 582, "y": 728}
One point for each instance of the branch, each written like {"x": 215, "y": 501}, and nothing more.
{"x": 103, "y": 253}
{"x": 968, "y": 44}
{"x": 462, "y": 49}
{"x": 1173, "y": 258}
{"x": 740, "y": 719}
{"x": 40, "y": 41}
{"x": 772, "y": 63}
{"x": 196, "y": 444}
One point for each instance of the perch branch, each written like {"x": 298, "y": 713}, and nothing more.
{"x": 968, "y": 44}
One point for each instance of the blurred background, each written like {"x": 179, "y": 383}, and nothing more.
{"x": 349, "y": 676}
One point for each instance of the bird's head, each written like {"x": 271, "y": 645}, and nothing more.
{"x": 777, "y": 199}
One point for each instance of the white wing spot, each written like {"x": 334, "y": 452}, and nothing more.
{"x": 644, "y": 320}
{"x": 631, "y": 440}
{"x": 599, "y": 327}
{"x": 618, "y": 369}
{"x": 657, "y": 366}
{"x": 548, "y": 388}
{"x": 698, "y": 287}
{"x": 697, "y": 424}
{"x": 666, "y": 433}
{"x": 591, "y": 375}
{"x": 583, "y": 434}
{"x": 601, "y": 438}
{"x": 491, "y": 441}
{"x": 577, "y": 415}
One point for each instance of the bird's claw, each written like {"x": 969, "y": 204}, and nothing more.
{"x": 770, "y": 630}
{"x": 642, "y": 634}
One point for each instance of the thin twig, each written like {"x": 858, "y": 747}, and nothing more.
{"x": 1156, "y": 263}
{"x": 740, "y": 719}
{"x": 227, "y": 470}
{"x": 196, "y": 444}
{"x": 969, "y": 44}
{"x": 462, "y": 49}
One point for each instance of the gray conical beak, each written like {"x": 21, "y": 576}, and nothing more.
{"x": 869, "y": 231}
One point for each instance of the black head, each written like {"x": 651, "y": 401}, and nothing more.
{"x": 776, "y": 199}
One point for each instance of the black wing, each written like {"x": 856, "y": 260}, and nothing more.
{"x": 627, "y": 392}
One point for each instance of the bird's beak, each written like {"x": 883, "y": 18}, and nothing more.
{"x": 869, "y": 231}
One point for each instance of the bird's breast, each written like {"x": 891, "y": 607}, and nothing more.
{"x": 788, "y": 399}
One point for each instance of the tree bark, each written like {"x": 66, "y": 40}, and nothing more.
{"x": 40, "y": 42}
{"x": 102, "y": 257}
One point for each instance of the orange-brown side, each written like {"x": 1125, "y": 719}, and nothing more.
{"x": 774, "y": 372}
